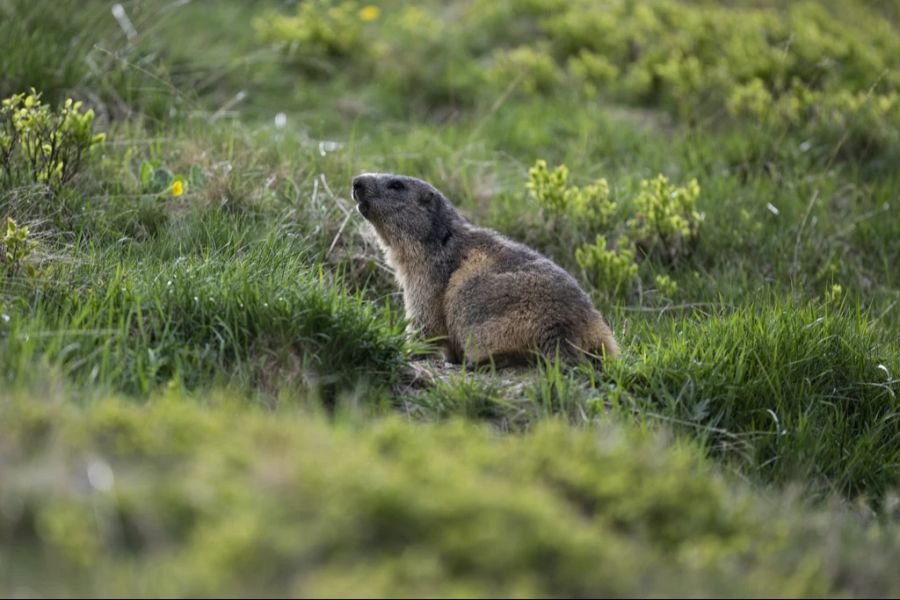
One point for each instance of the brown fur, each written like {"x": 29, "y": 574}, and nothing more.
{"x": 485, "y": 297}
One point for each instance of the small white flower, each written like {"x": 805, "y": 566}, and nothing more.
{"x": 100, "y": 475}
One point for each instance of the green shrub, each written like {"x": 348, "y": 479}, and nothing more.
{"x": 664, "y": 224}
{"x": 531, "y": 70}
{"x": 50, "y": 146}
{"x": 666, "y": 219}
{"x": 15, "y": 249}
{"x": 586, "y": 207}
{"x": 594, "y": 71}
{"x": 857, "y": 123}
{"x": 322, "y": 30}
{"x": 613, "y": 271}
{"x": 665, "y": 286}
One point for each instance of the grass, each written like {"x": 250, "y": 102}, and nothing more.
{"x": 799, "y": 392}
{"x": 179, "y": 497}
{"x": 212, "y": 393}
{"x": 133, "y": 321}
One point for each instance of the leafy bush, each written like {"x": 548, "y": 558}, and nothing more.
{"x": 586, "y": 207}
{"x": 664, "y": 224}
{"x": 531, "y": 70}
{"x": 665, "y": 286}
{"x": 856, "y": 123}
{"x": 674, "y": 53}
{"x": 50, "y": 146}
{"x": 321, "y": 30}
{"x": 613, "y": 271}
{"x": 15, "y": 249}
{"x": 412, "y": 51}
{"x": 666, "y": 220}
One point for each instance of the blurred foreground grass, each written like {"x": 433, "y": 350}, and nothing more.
{"x": 180, "y": 497}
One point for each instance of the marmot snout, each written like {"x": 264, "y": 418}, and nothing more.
{"x": 481, "y": 295}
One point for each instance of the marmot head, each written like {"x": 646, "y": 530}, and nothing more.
{"x": 405, "y": 211}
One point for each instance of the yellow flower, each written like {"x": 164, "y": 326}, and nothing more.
{"x": 369, "y": 13}
{"x": 177, "y": 188}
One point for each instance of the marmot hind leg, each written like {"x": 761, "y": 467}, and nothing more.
{"x": 563, "y": 349}
{"x": 595, "y": 345}
{"x": 501, "y": 344}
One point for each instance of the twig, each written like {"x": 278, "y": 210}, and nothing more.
{"x": 338, "y": 235}
{"x": 315, "y": 196}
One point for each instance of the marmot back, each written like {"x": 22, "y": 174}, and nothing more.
{"x": 483, "y": 296}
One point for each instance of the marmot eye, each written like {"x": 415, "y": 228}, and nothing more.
{"x": 396, "y": 184}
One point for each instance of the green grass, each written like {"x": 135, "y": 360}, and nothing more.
{"x": 801, "y": 393}
{"x": 245, "y": 310}
{"x": 236, "y": 356}
{"x": 180, "y": 497}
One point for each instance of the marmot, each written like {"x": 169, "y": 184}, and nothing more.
{"x": 484, "y": 297}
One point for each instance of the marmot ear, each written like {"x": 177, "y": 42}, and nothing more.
{"x": 427, "y": 197}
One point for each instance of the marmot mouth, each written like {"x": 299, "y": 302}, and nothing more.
{"x": 363, "y": 207}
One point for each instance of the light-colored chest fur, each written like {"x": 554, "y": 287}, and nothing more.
{"x": 422, "y": 295}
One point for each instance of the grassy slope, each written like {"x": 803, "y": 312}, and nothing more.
{"x": 258, "y": 281}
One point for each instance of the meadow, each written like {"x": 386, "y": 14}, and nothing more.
{"x": 205, "y": 383}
